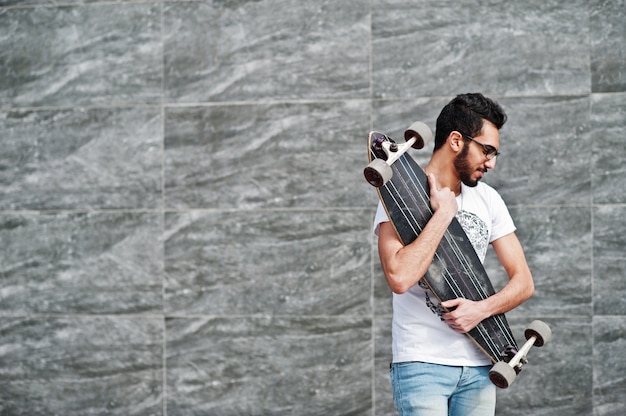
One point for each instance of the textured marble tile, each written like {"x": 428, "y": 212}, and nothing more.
{"x": 546, "y": 152}
{"x": 609, "y": 335}
{"x": 269, "y": 365}
{"x": 557, "y": 243}
{"x": 61, "y": 56}
{"x": 81, "y": 366}
{"x": 79, "y": 159}
{"x": 393, "y": 117}
{"x": 609, "y": 260}
{"x": 608, "y": 45}
{"x": 80, "y": 263}
{"x": 23, "y": 3}
{"x": 608, "y": 129}
{"x": 284, "y": 262}
{"x": 546, "y": 145}
{"x": 383, "y": 297}
{"x": 552, "y": 382}
{"x": 383, "y": 395}
{"x": 250, "y": 50}
{"x": 274, "y": 155}
{"x": 534, "y": 47}
{"x": 558, "y": 378}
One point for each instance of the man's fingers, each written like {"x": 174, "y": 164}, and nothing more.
{"x": 451, "y": 304}
{"x": 432, "y": 182}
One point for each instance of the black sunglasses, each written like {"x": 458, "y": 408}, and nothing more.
{"x": 489, "y": 151}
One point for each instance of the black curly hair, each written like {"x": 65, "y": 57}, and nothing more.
{"x": 465, "y": 114}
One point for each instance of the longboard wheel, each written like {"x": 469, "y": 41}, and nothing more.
{"x": 540, "y": 330}
{"x": 378, "y": 172}
{"x": 421, "y": 132}
{"x": 502, "y": 375}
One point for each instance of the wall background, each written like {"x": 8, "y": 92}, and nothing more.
{"x": 184, "y": 224}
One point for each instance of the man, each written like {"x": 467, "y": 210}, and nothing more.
{"x": 436, "y": 369}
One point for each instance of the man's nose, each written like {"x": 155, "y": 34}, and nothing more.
{"x": 491, "y": 163}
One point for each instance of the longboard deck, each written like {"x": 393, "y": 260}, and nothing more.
{"x": 456, "y": 270}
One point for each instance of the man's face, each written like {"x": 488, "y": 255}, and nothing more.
{"x": 471, "y": 164}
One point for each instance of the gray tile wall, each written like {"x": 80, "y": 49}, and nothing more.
{"x": 185, "y": 228}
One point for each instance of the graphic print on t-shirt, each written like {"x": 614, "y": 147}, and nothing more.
{"x": 476, "y": 231}
{"x": 478, "y": 234}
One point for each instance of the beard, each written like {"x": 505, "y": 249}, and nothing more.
{"x": 463, "y": 168}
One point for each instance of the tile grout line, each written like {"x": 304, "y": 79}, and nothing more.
{"x": 591, "y": 254}
{"x": 591, "y": 212}
{"x": 371, "y": 237}
{"x": 162, "y": 216}
{"x": 278, "y": 101}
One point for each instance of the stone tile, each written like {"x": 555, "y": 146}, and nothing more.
{"x": 609, "y": 263}
{"x": 608, "y": 45}
{"x": 383, "y": 394}
{"x": 23, "y": 3}
{"x": 267, "y": 222}
{"x": 267, "y": 155}
{"x": 546, "y": 152}
{"x": 81, "y": 366}
{"x": 608, "y": 129}
{"x": 229, "y": 51}
{"x": 66, "y": 56}
{"x": 552, "y": 383}
{"x": 609, "y": 336}
{"x": 80, "y": 159}
{"x": 383, "y": 297}
{"x": 269, "y": 365}
{"x": 557, "y": 242}
{"x": 526, "y": 48}
{"x": 284, "y": 262}
{"x": 92, "y": 263}
{"x": 543, "y": 163}
{"x": 393, "y": 117}
{"x": 558, "y": 378}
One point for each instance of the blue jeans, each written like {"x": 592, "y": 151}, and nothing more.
{"x": 423, "y": 389}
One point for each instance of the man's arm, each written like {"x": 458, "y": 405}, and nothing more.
{"x": 467, "y": 314}
{"x": 403, "y": 265}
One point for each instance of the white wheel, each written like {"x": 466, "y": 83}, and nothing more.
{"x": 378, "y": 172}
{"x": 502, "y": 375}
{"x": 539, "y": 329}
{"x": 421, "y": 131}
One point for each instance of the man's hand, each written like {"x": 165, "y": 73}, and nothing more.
{"x": 442, "y": 200}
{"x": 464, "y": 314}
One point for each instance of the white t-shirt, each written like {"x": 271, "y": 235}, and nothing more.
{"x": 418, "y": 331}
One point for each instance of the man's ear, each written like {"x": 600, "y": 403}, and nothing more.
{"x": 454, "y": 141}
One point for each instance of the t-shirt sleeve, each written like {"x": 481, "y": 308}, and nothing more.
{"x": 380, "y": 217}
{"x": 502, "y": 223}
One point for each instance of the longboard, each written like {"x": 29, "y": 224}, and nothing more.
{"x": 456, "y": 271}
